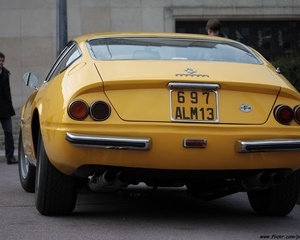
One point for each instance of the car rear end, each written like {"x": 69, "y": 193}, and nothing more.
{"x": 174, "y": 110}
{"x": 196, "y": 111}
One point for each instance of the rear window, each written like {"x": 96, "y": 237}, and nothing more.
{"x": 155, "y": 48}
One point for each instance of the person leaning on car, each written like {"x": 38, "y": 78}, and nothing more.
{"x": 6, "y": 112}
{"x": 213, "y": 28}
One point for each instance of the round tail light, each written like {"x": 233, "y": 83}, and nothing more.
{"x": 283, "y": 114}
{"x": 297, "y": 114}
{"x": 100, "y": 110}
{"x": 78, "y": 110}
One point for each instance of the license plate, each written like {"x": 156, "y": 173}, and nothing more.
{"x": 194, "y": 106}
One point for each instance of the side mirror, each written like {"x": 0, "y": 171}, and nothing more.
{"x": 31, "y": 80}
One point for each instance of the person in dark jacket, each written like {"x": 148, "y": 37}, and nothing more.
{"x": 213, "y": 28}
{"x": 6, "y": 112}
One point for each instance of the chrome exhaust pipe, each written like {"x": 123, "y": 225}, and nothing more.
{"x": 277, "y": 178}
{"x": 264, "y": 180}
{"x": 121, "y": 180}
{"x": 108, "y": 181}
{"x": 97, "y": 183}
{"x": 258, "y": 182}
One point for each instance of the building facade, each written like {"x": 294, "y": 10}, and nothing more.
{"x": 28, "y": 27}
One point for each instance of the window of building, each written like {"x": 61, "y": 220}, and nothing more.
{"x": 271, "y": 38}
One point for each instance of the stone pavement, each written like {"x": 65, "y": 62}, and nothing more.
{"x": 2, "y": 155}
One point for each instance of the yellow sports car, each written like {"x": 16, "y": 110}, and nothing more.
{"x": 117, "y": 109}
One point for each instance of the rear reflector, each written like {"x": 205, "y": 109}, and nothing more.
{"x": 283, "y": 114}
{"x": 78, "y": 110}
{"x": 297, "y": 114}
{"x": 194, "y": 143}
{"x": 100, "y": 110}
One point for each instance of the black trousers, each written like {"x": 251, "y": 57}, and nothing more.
{"x": 8, "y": 138}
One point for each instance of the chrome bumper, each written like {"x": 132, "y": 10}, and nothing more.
{"x": 108, "y": 142}
{"x": 267, "y": 145}
{"x": 143, "y": 144}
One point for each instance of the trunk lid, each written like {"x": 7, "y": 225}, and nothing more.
{"x": 141, "y": 91}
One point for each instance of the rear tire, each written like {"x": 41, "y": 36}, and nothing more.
{"x": 55, "y": 192}
{"x": 277, "y": 200}
{"x": 26, "y": 170}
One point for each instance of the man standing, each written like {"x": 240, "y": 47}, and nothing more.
{"x": 6, "y": 111}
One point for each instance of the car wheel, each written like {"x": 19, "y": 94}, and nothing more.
{"x": 26, "y": 170}
{"x": 278, "y": 200}
{"x": 55, "y": 192}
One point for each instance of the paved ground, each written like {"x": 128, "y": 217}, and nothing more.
{"x": 2, "y": 155}
{"x": 138, "y": 213}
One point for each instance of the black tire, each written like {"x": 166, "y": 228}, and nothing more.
{"x": 55, "y": 192}
{"x": 26, "y": 170}
{"x": 278, "y": 200}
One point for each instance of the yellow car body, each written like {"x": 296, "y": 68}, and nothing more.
{"x": 153, "y": 124}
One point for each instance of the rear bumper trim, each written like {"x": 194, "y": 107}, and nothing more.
{"x": 267, "y": 145}
{"x": 108, "y": 142}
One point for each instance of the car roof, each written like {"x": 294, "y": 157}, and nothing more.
{"x": 87, "y": 37}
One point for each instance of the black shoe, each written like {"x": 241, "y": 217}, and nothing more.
{"x": 13, "y": 160}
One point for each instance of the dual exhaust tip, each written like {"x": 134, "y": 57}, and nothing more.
{"x": 263, "y": 180}
{"x": 109, "y": 181}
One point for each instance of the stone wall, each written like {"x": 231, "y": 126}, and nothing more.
{"x": 28, "y": 27}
